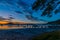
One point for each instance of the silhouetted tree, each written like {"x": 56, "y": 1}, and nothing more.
{"x": 38, "y": 3}
{"x": 55, "y": 22}
{"x": 49, "y": 6}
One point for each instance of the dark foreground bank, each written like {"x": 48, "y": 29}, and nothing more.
{"x": 22, "y": 34}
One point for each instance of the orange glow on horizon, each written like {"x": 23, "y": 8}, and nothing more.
{"x": 3, "y": 22}
{"x": 12, "y": 27}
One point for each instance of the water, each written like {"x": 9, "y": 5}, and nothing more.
{"x": 22, "y": 34}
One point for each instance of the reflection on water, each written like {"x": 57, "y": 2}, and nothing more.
{"x": 19, "y": 26}
{"x": 23, "y": 34}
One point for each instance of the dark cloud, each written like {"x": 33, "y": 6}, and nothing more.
{"x": 29, "y": 17}
{"x": 1, "y": 18}
{"x": 21, "y": 3}
{"x": 18, "y": 12}
{"x": 10, "y": 2}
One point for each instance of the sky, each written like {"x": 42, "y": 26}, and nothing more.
{"x": 18, "y": 9}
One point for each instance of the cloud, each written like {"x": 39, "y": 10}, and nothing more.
{"x": 18, "y": 12}
{"x": 1, "y": 18}
{"x": 20, "y": 7}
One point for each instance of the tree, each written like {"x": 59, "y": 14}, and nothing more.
{"x": 49, "y": 6}
{"x": 38, "y": 3}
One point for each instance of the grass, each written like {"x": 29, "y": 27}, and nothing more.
{"x": 55, "y": 35}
